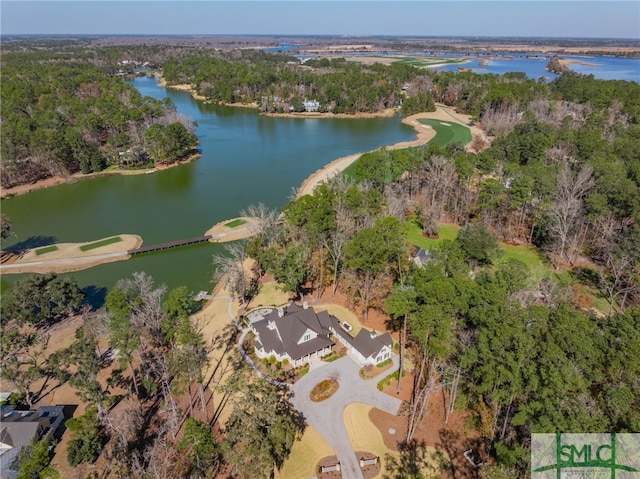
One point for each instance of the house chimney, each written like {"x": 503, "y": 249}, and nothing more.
{"x": 373, "y": 334}
{"x": 305, "y": 305}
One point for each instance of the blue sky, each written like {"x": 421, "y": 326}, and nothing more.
{"x": 617, "y": 19}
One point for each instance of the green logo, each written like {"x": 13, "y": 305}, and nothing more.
{"x": 559, "y": 456}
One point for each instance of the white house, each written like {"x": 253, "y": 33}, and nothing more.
{"x": 299, "y": 334}
{"x": 311, "y": 105}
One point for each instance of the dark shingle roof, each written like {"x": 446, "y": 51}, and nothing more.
{"x": 286, "y": 332}
{"x": 369, "y": 344}
{"x": 289, "y": 331}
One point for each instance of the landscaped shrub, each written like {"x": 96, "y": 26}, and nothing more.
{"x": 387, "y": 380}
{"x": 384, "y": 363}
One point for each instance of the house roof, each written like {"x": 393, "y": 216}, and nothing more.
{"x": 283, "y": 334}
{"x": 369, "y": 344}
{"x": 20, "y": 427}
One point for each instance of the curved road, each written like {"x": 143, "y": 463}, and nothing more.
{"x": 327, "y": 417}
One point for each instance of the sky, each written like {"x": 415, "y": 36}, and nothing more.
{"x": 541, "y": 18}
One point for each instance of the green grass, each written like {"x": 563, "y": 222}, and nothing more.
{"x": 234, "y": 223}
{"x": 426, "y": 61}
{"x": 98, "y": 244}
{"x": 447, "y": 133}
{"x": 414, "y": 235}
{"x": 350, "y": 171}
{"x": 46, "y": 249}
{"x": 529, "y": 255}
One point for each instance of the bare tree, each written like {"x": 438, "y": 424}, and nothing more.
{"x": 618, "y": 278}
{"x": 439, "y": 175}
{"x": 566, "y": 209}
{"x": 265, "y": 216}
{"x": 230, "y": 268}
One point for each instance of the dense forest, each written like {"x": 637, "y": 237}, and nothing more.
{"x": 61, "y": 115}
{"x": 522, "y": 347}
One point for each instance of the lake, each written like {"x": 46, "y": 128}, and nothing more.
{"x": 601, "y": 67}
{"x": 246, "y": 159}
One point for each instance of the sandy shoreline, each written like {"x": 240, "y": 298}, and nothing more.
{"x": 568, "y": 62}
{"x": 423, "y": 135}
{"x": 69, "y": 257}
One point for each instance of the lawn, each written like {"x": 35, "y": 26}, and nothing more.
{"x": 235, "y": 223}
{"x": 98, "y": 244}
{"x": 364, "y": 436}
{"x": 46, "y": 249}
{"x": 447, "y": 132}
{"x": 426, "y": 61}
{"x": 271, "y": 294}
{"x": 529, "y": 255}
{"x": 414, "y": 234}
{"x": 343, "y": 314}
{"x": 305, "y": 454}
{"x": 350, "y": 171}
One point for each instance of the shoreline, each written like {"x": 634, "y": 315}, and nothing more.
{"x": 68, "y": 257}
{"x": 74, "y": 178}
{"x": 424, "y": 134}
{"x": 388, "y": 113}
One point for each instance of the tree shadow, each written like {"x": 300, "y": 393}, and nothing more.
{"x": 95, "y": 296}
{"x": 30, "y": 243}
{"x": 415, "y": 460}
{"x": 455, "y": 446}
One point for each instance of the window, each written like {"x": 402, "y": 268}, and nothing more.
{"x": 307, "y": 337}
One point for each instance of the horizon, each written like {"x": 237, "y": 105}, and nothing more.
{"x": 587, "y": 19}
{"x": 318, "y": 35}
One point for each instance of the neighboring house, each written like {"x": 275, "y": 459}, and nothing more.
{"x": 311, "y": 105}
{"x": 299, "y": 334}
{"x": 419, "y": 256}
{"x": 19, "y": 428}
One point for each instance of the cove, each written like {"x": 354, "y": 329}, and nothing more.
{"x": 246, "y": 159}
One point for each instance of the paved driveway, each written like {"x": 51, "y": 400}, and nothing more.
{"x": 327, "y": 416}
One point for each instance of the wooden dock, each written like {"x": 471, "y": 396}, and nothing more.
{"x": 172, "y": 244}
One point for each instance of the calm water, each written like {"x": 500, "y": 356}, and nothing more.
{"x": 601, "y": 67}
{"x": 246, "y": 158}
{"x": 533, "y": 65}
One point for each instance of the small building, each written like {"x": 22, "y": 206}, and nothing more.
{"x": 299, "y": 334}
{"x": 419, "y": 256}
{"x": 311, "y": 105}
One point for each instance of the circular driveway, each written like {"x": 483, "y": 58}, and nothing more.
{"x": 327, "y": 416}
